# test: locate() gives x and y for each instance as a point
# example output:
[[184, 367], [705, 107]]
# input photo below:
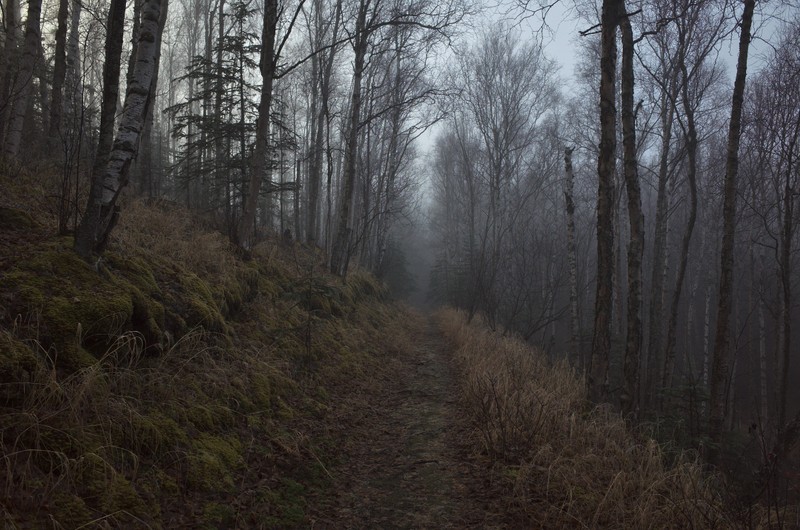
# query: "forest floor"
[[405, 462]]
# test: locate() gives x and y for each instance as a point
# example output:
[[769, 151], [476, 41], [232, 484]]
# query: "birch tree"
[[102, 210]]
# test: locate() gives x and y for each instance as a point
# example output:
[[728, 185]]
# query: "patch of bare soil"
[[403, 464]]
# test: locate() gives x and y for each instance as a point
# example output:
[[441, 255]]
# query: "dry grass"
[[210, 428], [562, 463], [168, 230]]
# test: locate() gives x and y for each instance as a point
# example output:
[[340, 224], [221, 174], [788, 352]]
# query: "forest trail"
[[403, 463]]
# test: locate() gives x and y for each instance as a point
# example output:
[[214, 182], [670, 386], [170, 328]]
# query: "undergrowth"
[[562, 463], [171, 384]]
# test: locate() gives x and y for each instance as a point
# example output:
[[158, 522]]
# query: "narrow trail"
[[402, 466]]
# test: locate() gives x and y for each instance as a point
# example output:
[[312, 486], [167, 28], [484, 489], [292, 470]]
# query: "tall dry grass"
[[211, 428], [563, 462]]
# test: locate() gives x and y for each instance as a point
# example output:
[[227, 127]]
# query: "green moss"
[[261, 389], [157, 485], [79, 311], [210, 416], [108, 491], [18, 364], [155, 433], [236, 289], [287, 503], [12, 219], [121, 496], [217, 515], [191, 303], [136, 270], [70, 511], [213, 461]]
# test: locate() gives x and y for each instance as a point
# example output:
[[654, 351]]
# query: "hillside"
[[172, 383], [175, 383]]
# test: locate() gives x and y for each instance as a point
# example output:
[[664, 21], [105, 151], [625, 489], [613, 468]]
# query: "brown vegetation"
[[563, 463], [170, 383]]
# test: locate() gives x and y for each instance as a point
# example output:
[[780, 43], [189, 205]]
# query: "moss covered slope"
[[171, 383]]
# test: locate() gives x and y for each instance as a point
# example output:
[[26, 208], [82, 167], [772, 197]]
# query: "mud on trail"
[[403, 464]]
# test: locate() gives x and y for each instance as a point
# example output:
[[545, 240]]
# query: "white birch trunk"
[[100, 214]]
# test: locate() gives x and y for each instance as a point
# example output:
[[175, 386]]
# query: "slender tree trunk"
[[89, 230], [633, 343], [787, 233], [569, 187], [74, 93], [597, 380], [762, 343], [145, 165], [137, 20], [220, 155], [706, 343], [9, 62], [326, 62], [340, 251], [691, 153], [20, 93], [59, 74], [720, 371], [258, 161], [102, 211], [660, 254]]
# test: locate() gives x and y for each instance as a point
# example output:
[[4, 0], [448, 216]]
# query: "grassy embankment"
[[172, 383], [557, 462]]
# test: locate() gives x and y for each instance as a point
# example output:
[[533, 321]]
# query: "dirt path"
[[401, 466]]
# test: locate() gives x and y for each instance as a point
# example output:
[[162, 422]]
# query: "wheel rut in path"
[[400, 466]]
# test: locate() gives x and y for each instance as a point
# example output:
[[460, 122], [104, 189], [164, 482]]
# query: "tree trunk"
[[8, 64], [633, 343], [691, 153], [787, 233], [102, 212], [660, 254], [720, 371], [325, 64], [145, 165], [59, 74], [597, 380], [220, 155], [20, 93], [88, 232], [258, 161], [74, 92], [762, 343], [340, 251], [569, 192]]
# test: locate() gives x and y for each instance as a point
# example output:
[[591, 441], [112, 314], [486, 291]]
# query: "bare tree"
[[597, 378], [271, 50], [633, 343], [59, 75], [720, 370], [23, 83]]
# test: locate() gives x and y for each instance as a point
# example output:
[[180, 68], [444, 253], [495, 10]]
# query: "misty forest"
[[399, 264]]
